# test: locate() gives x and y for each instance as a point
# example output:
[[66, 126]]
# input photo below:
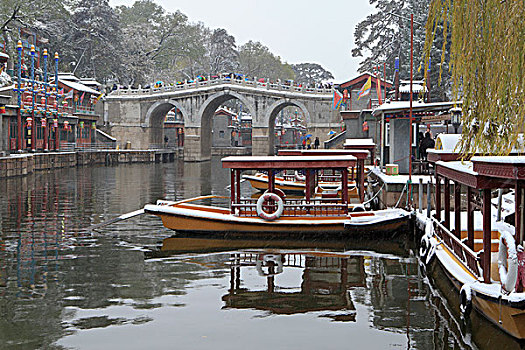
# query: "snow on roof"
[[464, 167], [67, 76], [416, 88], [247, 117], [106, 135], [359, 142], [517, 160], [89, 82], [79, 87], [404, 106]]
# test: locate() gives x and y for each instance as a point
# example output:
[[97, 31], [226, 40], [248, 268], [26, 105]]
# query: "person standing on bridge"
[[316, 142]]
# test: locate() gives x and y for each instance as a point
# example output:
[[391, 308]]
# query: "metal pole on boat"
[[411, 98], [500, 197], [420, 195], [428, 198]]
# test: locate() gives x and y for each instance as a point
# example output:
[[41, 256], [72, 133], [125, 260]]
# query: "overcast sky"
[[298, 31]]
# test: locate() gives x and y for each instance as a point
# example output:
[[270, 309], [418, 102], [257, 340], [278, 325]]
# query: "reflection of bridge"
[[138, 115]]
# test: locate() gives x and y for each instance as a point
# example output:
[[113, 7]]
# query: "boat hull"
[[507, 315], [196, 219]]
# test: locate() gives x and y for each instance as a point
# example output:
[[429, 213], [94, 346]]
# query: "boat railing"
[[294, 207], [466, 255]]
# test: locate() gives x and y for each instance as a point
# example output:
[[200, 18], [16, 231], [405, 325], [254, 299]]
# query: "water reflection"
[[134, 286]]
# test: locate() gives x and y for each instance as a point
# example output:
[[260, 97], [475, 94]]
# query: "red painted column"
[[470, 219], [438, 197], [238, 185], [518, 212], [232, 190], [45, 131], [457, 208], [307, 185], [487, 231], [344, 175], [361, 174], [447, 203]]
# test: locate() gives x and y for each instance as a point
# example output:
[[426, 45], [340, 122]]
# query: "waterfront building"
[[356, 112], [226, 128], [174, 129]]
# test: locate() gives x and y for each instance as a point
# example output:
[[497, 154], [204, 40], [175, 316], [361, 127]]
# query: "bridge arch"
[[155, 117], [207, 111], [274, 110]]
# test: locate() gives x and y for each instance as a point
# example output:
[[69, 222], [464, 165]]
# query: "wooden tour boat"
[[275, 213], [487, 266]]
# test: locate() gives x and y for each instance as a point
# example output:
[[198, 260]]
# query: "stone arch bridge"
[[137, 115]]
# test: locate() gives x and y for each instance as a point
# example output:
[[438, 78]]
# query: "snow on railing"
[[220, 81]]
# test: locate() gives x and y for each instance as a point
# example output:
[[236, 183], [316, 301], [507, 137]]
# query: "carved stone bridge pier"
[[138, 115]]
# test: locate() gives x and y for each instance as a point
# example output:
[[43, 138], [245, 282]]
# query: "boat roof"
[[358, 153], [289, 162], [484, 172]]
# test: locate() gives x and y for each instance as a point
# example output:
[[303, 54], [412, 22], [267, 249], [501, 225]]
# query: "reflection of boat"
[[189, 243], [326, 279], [485, 266], [273, 212]]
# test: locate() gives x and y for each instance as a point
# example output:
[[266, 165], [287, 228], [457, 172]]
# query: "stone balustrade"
[[221, 81]]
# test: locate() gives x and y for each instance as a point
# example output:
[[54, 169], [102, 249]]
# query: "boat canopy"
[[480, 176], [358, 153], [289, 162]]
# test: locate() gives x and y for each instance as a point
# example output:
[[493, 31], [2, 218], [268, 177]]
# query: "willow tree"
[[487, 61]]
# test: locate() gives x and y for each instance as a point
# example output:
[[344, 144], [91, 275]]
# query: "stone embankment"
[[23, 164]]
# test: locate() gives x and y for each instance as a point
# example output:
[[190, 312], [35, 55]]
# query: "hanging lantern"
[[42, 100], [66, 125], [55, 123], [29, 122], [81, 124], [55, 105], [44, 124], [93, 125], [2, 109]]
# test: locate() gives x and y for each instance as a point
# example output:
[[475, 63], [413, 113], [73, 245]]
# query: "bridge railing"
[[186, 85]]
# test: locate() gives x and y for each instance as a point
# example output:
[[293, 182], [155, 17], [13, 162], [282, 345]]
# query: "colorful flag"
[[338, 99], [82, 97], [69, 95], [61, 92], [378, 89], [365, 90], [98, 98]]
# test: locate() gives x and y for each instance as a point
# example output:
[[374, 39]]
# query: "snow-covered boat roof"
[[484, 172], [517, 160], [288, 162], [358, 153], [464, 167]]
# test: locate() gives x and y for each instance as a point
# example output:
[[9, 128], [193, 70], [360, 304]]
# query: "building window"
[[221, 134]]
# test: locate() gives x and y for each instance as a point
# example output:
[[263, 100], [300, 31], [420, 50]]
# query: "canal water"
[[134, 285]]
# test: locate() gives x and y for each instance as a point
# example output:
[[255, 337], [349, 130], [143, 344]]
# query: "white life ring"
[[267, 196], [508, 256], [299, 177], [465, 300]]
